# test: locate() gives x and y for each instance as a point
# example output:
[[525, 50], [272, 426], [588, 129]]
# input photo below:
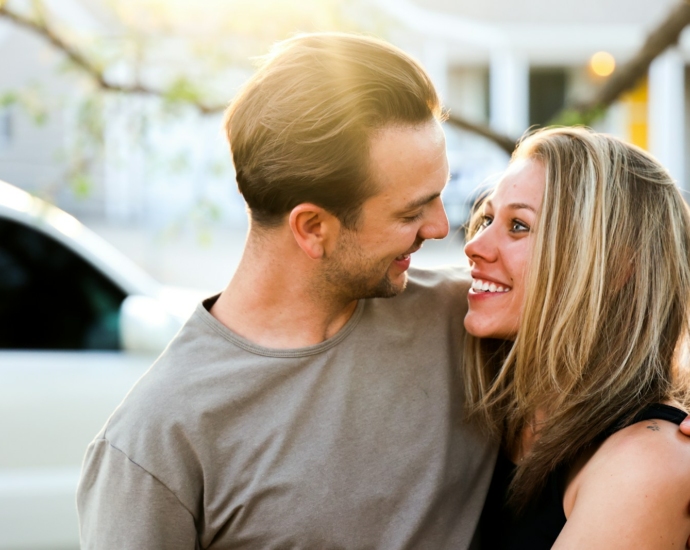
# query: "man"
[[299, 409]]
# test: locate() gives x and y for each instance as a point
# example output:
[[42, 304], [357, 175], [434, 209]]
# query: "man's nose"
[[437, 226]]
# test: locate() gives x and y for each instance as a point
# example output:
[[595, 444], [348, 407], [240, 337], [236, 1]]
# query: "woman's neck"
[[528, 437]]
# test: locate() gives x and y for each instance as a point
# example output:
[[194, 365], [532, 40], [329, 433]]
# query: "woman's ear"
[[313, 228]]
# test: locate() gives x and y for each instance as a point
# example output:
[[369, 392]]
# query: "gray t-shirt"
[[354, 443]]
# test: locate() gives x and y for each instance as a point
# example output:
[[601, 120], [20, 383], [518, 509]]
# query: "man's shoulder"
[[444, 278], [432, 296], [180, 383], [439, 285]]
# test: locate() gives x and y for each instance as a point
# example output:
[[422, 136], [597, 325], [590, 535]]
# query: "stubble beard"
[[350, 275]]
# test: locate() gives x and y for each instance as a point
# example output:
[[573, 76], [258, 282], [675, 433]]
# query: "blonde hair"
[[606, 307], [299, 130]]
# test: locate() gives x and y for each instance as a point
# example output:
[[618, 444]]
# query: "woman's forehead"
[[523, 182]]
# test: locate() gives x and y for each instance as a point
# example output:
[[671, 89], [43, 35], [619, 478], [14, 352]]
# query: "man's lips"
[[407, 254]]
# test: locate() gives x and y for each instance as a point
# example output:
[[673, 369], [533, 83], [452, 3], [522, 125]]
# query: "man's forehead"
[[393, 138], [401, 157]]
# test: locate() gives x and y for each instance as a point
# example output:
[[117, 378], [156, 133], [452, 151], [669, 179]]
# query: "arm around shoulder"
[[121, 505], [633, 493]]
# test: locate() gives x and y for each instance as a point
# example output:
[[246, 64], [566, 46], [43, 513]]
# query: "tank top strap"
[[654, 411], [659, 411]]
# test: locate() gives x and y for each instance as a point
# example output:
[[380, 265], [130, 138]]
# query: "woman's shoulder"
[[651, 449], [653, 444], [637, 482]]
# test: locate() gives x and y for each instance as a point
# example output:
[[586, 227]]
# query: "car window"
[[50, 297]]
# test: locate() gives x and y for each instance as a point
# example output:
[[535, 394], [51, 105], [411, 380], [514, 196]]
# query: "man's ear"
[[313, 228]]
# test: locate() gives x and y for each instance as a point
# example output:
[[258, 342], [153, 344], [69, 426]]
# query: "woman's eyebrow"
[[515, 206], [521, 206]]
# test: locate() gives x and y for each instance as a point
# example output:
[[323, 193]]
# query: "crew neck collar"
[[202, 311]]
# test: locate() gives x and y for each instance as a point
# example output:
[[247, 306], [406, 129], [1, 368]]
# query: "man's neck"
[[271, 301]]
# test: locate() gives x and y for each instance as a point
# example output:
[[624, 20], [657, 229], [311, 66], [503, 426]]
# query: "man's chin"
[[389, 288]]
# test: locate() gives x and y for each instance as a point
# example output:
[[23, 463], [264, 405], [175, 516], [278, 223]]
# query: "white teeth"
[[486, 286]]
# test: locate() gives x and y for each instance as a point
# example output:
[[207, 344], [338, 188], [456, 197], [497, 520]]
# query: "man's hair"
[[604, 326], [300, 129]]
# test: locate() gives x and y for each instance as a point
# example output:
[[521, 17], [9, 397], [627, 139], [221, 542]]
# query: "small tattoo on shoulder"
[[654, 426]]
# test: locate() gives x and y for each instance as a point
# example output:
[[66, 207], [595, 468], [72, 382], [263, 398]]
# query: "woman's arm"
[[633, 493]]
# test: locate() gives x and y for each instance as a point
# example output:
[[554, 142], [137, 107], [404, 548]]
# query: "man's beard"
[[350, 275]]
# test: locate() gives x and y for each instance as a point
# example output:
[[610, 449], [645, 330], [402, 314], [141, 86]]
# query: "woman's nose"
[[481, 246]]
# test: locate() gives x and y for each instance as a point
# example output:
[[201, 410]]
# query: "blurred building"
[[515, 64], [507, 64], [121, 157]]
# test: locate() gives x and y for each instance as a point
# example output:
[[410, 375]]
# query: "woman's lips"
[[484, 286]]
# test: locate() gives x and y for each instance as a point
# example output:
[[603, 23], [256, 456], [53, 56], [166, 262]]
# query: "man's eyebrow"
[[515, 206], [420, 202]]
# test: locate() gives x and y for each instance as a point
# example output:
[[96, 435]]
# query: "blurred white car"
[[79, 324]]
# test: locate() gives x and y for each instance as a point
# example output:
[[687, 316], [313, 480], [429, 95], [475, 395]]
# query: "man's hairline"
[[264, 229]]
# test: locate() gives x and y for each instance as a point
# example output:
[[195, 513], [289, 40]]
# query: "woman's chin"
[[480, 326]]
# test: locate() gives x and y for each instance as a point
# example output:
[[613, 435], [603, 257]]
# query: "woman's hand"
[[633, 493]]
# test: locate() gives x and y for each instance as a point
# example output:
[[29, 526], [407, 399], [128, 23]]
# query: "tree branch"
[[504, 142], [45, 32], [625, 78], [86, 65], [96, 74], [628, 75]]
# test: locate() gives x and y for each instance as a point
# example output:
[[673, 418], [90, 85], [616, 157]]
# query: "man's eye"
[[414, 218]]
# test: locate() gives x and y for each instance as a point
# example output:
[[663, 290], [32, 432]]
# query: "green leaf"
[[81, 185], [576, 117], [8, 98], [182, 91]]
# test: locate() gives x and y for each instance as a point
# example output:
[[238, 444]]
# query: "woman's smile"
[[484, 286]]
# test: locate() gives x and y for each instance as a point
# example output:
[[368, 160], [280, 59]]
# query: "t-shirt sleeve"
[[122, 506]]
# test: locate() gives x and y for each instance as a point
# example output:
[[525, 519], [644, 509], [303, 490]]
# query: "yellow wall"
[[636, 103]]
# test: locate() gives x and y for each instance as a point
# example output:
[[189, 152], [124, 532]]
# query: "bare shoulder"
[[652, 448], [651, 453], [635, 489]]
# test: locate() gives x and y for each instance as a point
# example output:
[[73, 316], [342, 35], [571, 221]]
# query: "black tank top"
[[540, 524]]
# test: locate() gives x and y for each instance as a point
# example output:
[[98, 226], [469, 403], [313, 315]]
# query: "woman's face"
[[500, 252]]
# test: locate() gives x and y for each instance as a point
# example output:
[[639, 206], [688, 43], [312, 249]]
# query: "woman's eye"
[[518, 227], [485, 221]]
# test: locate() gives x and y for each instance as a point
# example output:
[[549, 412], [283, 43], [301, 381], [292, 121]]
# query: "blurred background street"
[[111, 110]]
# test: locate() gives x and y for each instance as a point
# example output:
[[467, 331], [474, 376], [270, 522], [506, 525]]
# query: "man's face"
[[410, 168]]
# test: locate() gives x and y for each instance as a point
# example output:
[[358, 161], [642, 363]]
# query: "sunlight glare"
[[602, 64]]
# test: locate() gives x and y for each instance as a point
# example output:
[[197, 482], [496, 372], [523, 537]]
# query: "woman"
[[578, 316]]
